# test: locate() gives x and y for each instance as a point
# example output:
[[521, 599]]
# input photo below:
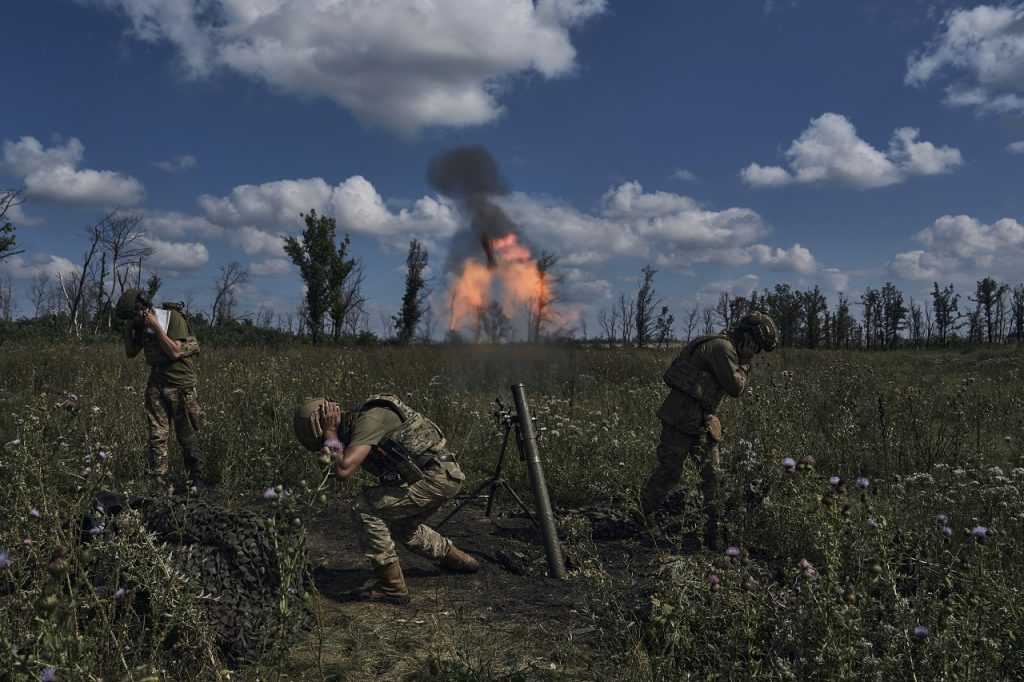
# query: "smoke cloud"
[[472, 177]]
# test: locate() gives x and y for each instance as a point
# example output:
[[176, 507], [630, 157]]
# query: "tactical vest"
[[684, 375], [418, 439], [155, 354]]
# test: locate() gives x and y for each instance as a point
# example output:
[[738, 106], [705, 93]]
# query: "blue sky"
[[731, 144]]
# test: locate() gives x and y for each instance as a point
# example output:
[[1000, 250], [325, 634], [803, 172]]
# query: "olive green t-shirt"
[[170, 373], [368, 427]]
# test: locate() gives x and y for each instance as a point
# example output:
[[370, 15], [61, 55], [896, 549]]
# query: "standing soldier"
[[416, 475], [166, 339], [707, 369]]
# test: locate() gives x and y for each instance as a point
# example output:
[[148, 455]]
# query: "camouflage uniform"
[[394, 509], [170, 397], [701, 376]]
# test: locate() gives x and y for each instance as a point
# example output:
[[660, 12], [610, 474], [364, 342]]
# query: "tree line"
[[879, 319]]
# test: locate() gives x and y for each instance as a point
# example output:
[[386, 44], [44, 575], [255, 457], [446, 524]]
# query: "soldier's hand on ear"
[[748, 348], [330, 417], [150, 319]]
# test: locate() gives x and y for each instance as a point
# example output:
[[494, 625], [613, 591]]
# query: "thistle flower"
[[921, 631], [947, 531], [48, 674], [713, 579], [5, 558], [119, 593], [102, 454], [871, 523], [980, 532], [732, 552], [788, 463], [941, 519], [863, 482], [95, 530], [834, 481], [269, 494], [34, 513], [14, 443]]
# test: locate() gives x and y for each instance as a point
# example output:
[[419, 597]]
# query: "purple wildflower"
[[269, 494], [980, 532], [714, 579], [5, 558], [942, 519], [15, 443], [788, 463], [34, 513], [95, 530], [871, 523], [863, 482], [834, 481], [733, 552], [48, 675], [102, 454], [921, 631], [947, 531], [119, 593], [27, 542]]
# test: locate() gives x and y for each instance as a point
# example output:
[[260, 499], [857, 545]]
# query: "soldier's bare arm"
[[171, 347], [348, 460]]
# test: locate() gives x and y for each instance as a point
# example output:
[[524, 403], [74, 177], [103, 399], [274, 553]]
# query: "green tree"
[[9, 198], [987, 295], [894, 314], [322, 267], [946, 305], [647, 301], [408, 318], [814, 308]]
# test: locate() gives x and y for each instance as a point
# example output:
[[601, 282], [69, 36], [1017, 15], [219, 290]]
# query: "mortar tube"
[[528, 443]]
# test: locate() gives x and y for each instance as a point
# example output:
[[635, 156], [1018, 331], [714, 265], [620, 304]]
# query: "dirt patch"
[[508, 621]]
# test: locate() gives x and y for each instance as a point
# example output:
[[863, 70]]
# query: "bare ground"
[[508, 621]]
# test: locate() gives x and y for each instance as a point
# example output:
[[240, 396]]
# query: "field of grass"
[[893, 548]]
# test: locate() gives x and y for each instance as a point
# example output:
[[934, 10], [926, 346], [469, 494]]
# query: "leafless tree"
[[352, 315], [625, 313], [609, 323], [428, 324], [6, 299], [692, 318], [540, 310], [39, 293], [724, 310], [121, 236], [495, 323], [708, 316], [265, 317], [231, 276]]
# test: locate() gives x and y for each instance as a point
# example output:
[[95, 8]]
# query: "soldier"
[[416, 475], [166, 339], [707, 369]]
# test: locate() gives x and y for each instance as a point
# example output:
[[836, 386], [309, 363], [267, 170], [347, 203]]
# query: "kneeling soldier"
[[416, 475]]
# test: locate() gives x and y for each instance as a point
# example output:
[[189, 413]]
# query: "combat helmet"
[[131, 301], [762, 329], [306, 423]]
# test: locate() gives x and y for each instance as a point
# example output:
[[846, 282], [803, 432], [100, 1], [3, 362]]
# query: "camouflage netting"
[[253, 566]]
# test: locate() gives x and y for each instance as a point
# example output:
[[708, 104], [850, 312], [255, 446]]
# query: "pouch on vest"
[[398, 458], [714, 427]]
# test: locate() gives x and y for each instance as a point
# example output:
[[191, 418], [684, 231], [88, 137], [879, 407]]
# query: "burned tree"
[[9, 199]]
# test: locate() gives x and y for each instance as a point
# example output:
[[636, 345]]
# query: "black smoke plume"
[[471, 176]]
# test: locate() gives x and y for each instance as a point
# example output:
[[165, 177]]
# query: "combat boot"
[[458, 561], [389, 586], [715, 535]]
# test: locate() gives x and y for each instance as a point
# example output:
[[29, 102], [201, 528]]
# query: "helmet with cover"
[[762, 329], [131, 302], [306, 423]]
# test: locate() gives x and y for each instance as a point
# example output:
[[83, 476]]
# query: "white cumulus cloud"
[[256, 215], [37, 264], [795, 259], [401, 64], [173, 225], [52, 175], [1016, 147], [980, 53], [962, 246], [177, 164], [271, 267], [176, 255], [829, 151]]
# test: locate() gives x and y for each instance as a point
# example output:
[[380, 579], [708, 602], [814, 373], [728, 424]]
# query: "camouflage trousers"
[[384, 512], [674, 448], [178, 407]]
